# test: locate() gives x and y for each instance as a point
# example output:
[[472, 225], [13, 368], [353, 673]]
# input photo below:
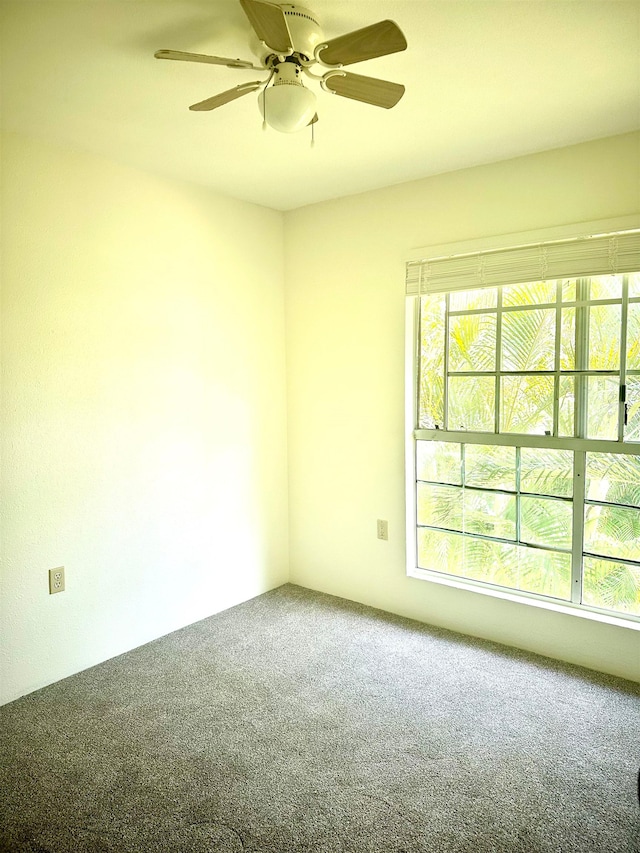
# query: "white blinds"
[[602, 254]]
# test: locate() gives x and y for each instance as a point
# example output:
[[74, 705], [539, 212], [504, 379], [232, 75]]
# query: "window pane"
[[633, 337], [438, 461], [566, 407], [490, 467], [440, 552], [634, 284], [632, 428], [543, 572], [546, 472], [533, 293], [612, 531], [511, 566], [490, 562], [606, 287], [612, 586], [517, 567], [467, 300], [603, 406], [545, 522], [614, 478], [472, 342], [440, 506], [526, 404], [569, 290], [489, 514], [465, 557], [471, 403], [604, 337], [431, 400], [528, 339], [568, 340]]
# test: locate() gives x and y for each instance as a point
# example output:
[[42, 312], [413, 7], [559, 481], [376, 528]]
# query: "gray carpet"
[[302, 723]]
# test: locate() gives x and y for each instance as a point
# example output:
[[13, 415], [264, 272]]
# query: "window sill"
[[529, 599]]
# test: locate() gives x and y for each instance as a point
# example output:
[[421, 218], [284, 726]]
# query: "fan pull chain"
[[313, 135], [264, 107]]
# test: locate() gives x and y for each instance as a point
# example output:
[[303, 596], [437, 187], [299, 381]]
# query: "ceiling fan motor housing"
[[304, 27]]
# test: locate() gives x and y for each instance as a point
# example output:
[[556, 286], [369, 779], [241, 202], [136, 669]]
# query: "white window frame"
[[413, 434]]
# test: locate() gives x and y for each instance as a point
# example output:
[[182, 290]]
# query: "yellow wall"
[[143, 408], [345, 350]]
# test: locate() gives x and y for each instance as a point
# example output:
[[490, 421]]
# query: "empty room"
[[320, 426]]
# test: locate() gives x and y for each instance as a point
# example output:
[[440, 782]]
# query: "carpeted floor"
[[302, 723]]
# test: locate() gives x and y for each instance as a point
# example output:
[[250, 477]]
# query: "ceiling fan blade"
[[368, 43], [226, 97], [269, 23], [201, 57], [369, 90]]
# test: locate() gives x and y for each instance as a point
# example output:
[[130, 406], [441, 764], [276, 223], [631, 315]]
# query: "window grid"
[[624, 316], [498, 384], [579, 470], [516, 493], [445, 400], [579, 443], [556, 364], [582, 305]]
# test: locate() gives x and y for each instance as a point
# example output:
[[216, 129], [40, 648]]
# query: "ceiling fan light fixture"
[[287, 106]]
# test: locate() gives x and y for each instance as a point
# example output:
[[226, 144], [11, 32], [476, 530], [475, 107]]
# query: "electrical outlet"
[[383, 529], [56, 580]]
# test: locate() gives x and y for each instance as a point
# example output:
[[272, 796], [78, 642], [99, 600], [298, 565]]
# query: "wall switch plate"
[[383, 529], [56, 580]]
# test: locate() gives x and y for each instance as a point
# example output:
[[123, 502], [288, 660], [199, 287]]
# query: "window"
[[525, 456]]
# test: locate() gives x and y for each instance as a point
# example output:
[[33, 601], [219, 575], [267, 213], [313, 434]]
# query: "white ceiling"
[[485, 80]]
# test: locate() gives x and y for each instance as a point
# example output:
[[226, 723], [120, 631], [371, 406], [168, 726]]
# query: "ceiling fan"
[[292, 43]]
